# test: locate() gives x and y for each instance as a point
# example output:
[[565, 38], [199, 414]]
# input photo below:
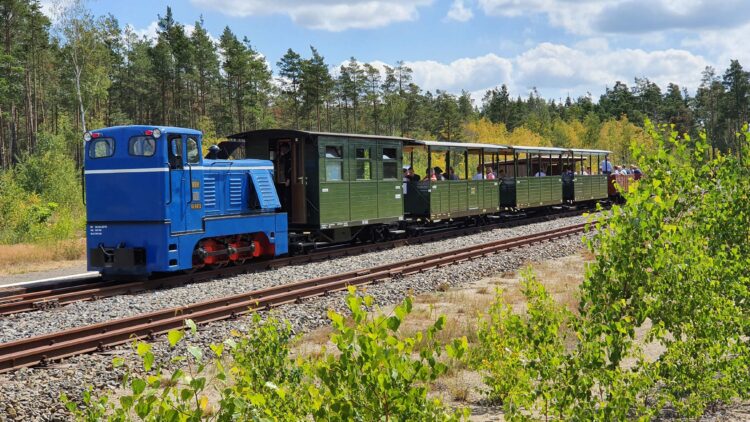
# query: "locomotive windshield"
[[142, 146], [102, 148]]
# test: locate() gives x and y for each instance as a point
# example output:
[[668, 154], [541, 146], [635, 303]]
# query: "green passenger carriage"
[[339, 185], [467, 191], [588, 182]]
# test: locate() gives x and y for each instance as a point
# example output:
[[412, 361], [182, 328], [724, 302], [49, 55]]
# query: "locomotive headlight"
[[87, 136], [157, 133]]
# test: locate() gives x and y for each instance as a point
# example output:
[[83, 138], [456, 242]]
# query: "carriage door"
[[298, 210]]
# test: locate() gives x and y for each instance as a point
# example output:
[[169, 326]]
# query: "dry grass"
[[312, 344], [23, 258]]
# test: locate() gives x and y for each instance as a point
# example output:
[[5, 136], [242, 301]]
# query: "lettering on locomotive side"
[[96, 230]]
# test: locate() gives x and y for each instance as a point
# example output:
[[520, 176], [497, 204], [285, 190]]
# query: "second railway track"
[[55, 346], [60, 296]]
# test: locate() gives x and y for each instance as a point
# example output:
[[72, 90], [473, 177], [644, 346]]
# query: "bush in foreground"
[[670, 268], [372, 375]]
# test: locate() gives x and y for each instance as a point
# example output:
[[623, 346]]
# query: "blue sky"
[[560, 47]]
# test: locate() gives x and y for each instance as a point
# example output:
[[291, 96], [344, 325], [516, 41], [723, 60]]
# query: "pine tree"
[[290, 76], [316, 86], [206, 67]]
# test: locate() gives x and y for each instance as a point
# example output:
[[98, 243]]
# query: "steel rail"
[[56, 297], [50, 347]]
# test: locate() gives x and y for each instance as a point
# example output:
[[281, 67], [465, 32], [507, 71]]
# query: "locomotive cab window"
[[175, 152], [142, 146], [334, 163], [390, 163], [193, 153], [364, 169], [102, 148]]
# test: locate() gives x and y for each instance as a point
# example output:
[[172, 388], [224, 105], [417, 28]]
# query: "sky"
[[559, 47]]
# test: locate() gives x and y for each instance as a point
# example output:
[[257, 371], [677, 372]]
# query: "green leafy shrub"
[[677, 255], [372, 376], [40, 198], [672, 262]]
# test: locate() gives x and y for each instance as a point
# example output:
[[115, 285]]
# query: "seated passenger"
[[540, 173], [430, 175], [452, 174], [478, 175], [490, 174], [439, 173], [637, 173]]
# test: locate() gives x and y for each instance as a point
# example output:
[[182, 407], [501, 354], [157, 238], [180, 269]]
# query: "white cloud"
[[459, 12], [329, 15], [626, 16], [573, 15], [150, 32], [723, 45], [557, 70], [468, 73]]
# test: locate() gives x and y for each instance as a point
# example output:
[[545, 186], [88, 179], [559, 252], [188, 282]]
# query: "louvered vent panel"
[[209, 192]]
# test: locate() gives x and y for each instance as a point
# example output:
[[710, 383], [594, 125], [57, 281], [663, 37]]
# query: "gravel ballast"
[[33, 394], [23, 325]]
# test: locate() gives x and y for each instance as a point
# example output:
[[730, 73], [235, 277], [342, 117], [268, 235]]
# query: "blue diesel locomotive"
[[155, 204]]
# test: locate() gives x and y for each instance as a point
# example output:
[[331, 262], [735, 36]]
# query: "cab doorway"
[[291, 183]]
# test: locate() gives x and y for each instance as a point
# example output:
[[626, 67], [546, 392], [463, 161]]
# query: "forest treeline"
[[62, 76]]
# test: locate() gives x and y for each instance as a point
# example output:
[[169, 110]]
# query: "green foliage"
[[521, 355], [40, 198], [373, 375], [676, 255], [671, 263], [530, 367]]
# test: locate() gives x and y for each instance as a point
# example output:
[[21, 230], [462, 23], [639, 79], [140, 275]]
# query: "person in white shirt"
[[540, 173], [606, 167], [478, 176]]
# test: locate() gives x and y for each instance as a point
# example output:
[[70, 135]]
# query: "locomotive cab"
[[155, 204]]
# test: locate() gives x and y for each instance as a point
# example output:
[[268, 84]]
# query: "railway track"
[[55, 346], [93, 290]]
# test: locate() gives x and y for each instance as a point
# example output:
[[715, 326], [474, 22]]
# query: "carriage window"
[[193, 153], [333, 152], [102, 148], [364, 170], [334, 164], [142, 146], [390, 165]]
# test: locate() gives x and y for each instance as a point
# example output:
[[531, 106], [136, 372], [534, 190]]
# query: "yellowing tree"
[[486, 132], [617, 135], [526, 137]]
